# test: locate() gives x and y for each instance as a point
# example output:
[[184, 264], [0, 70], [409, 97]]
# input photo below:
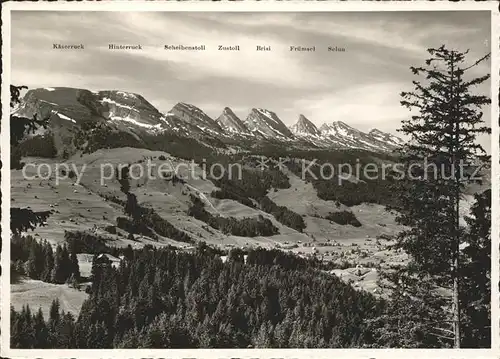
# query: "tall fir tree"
[[62, 266], [75, 267], [31, 265], [442, 148], [41, 331], [475, 294], [48, 255]]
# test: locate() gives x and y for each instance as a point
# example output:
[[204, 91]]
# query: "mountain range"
[[68, 108]]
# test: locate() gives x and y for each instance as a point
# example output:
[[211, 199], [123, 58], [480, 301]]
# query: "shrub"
[[110, 229], [344, 218]]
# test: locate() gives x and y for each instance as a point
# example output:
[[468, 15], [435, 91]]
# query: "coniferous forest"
[[168, 298]]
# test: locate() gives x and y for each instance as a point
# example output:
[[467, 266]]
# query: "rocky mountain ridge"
[[305, 127], [230, 122], [68, 108]]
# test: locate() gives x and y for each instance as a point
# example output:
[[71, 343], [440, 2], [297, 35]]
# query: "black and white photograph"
[[249, 180]]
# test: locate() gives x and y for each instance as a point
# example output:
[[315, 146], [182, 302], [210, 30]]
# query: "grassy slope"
[[171, 202], [38, 294]]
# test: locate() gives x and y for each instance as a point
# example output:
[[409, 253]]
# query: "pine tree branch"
[[478, 61]]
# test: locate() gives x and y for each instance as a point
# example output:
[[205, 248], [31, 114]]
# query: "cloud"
[[389, 33], [364, 107], [246, 64], [360, 86]]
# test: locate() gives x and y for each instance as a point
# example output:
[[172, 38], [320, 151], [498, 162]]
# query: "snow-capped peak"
[[343, 135], [305, 127], [267, 123], [338, 128], [195, 116], [386, 137], [230, 122]]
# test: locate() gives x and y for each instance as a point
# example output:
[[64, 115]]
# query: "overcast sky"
[[360, 86]]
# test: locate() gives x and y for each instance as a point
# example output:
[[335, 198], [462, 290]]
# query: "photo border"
[[289, 6]]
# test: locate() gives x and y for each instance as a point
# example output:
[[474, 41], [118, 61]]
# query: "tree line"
[[142, 220], [245, 227], [38, 146], [255, 185], [167, 298]]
